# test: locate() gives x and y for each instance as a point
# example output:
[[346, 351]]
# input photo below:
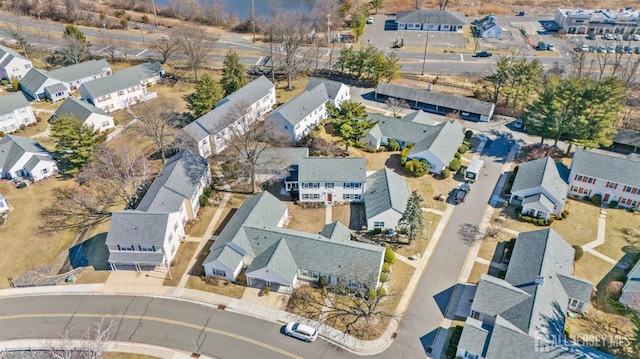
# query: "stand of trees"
[[514, 81], [350, 122], [369, 64]]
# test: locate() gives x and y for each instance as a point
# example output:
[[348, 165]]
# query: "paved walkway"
[[328, 214], [600, 239]]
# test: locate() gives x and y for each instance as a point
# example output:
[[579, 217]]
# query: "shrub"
[[633, 209], [564, 214], [466, 143], [542, 222], [458, 155], [579, 252], [596, 199], [371, 293], [550, 221], [454, 165], [145, 19], [382, 292], [124, 22], [613, 204], [22, 127], [389, 256], [266, 290], [204, 201], [393, 145], [417, 167], [386, 268], [1, 133], [463, 149], [405, 153], [468, 134], [368, 149], [15, 83], [377, 230], [567, 332], [5, 82], [322, 282], [586, 198], [207, 192], [384, 277], [446, 173]]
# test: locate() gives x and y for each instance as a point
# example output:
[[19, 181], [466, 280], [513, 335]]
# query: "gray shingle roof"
[[80, 71], [226, 255], [7, 55], [299, 107], [12, 148], [277, 258], [129, 77], [324, 169], [177, 181], [474, 337], [635, 271], [424, 118], [34, 79], [610, 168], [336, 231], [136, 227], [35, 160], [443, 143], [55, 88], [11, 102], [275, 159], [433, 17], [494, 295], [540, 202], [385, 190], [577, 288], [508, 341], [332, 87], [217, 119], [544, 173], [407, 131], [78, 109], [252, 230], [435, 98], [627, 137]]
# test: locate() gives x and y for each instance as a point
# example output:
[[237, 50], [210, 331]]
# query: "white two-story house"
[[614, 178], [124, 88], [328, 180], [15, 111], [293, 120], [151, 234], [75, 75], [211, 132], [12, 64], [86, 113]]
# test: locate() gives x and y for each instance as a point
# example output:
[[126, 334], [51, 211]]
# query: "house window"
[[147, 249], [314, 185], [357, 196], [574, 302], [305, 196], [219, 272], [378, 224], [315, 196], [347, 196], [328, 185], [475, 315], [170, 237], [128, 248], [611, 185], [175, 226], [173, 249], [105, 123], [305, 272], [120, 93], [627, 188], [578, 178], [45, 171]]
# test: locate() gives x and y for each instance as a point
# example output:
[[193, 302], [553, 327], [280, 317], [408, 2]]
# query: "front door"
[[606, 198], [329, 197]]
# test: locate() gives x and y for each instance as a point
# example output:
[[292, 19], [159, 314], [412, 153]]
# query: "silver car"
[[301, 331]]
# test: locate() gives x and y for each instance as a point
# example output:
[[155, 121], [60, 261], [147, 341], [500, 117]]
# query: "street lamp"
[[426, 44]]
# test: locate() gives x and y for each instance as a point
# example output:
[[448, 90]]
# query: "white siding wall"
[[18, 67], [173, 235], [230, 274], [435, 165], [12, 120], [389, 217], [309, 122], [533, 191], [99, 122], [579, 186], [322, 192], [43, 170], [344, 94]]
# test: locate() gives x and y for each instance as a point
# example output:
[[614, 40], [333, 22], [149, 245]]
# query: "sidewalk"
[[212, 300]]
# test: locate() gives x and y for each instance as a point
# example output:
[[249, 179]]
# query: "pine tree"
[[412, 218], [350, 122], [233, 75], [75, 143], [208, 92]]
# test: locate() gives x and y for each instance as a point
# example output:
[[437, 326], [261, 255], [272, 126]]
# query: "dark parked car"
[[637, 50], [483, 54]]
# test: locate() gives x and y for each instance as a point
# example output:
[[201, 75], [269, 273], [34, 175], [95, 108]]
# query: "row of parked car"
[[619, 49], [542, 46], [620, 37]]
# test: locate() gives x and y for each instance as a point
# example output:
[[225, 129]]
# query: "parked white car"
[[301, 331]]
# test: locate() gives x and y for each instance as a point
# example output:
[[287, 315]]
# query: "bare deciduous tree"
[[166, 47], [91, 345], [108, 43], [395, 105], [74, 51], [18, 35], [196, 45], [157, 120], [125, 47], [291, 33]]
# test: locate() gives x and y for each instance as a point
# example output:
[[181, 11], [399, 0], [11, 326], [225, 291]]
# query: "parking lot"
[[599, 42]]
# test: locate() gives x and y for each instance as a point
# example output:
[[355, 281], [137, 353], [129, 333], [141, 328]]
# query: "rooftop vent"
[[539, 280]]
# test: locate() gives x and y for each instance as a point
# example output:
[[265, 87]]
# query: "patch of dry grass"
[[489, 245], [38, 128], [476, 272], [205, 215], [117, 355], [180, 262], [622, 234], [20, 237], [303, 308], [225, 288], [342, 214], [173, 92], [89, 275], [309, 220], [592, 268], [581, 226], [419, 245], [283, 95]]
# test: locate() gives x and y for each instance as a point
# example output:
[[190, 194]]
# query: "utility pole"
[[253, 19], [426, 44], [155, 15], [329, 28]]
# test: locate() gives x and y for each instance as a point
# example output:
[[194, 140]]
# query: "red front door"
[[606, 198], [329, 197]]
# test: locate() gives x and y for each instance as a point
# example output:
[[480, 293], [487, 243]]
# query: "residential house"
[[38, 85], [597, 22], [123, 88], [487, 27], [385, 199], [614, 178], [293, 120], [435, 102], [627, 140], [524, 314], [12, 64], [209, 133], [75, 75], [15, 111], [86, 113], [22, 157], [143, 240], [432, 20], [540, 188], [336, 90], [254, 239], [436, 143], [329, 180], [4, 204], [274, 162], [150, 235], [630, 292]]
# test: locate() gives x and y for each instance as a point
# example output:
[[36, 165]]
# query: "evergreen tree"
[[233, 75], [412, 218], [350, 122], [75, 143], [208, 92]]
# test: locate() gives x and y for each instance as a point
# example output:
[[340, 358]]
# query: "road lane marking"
[[461, 58], [141, 52], [259, 60], [155, 319]]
